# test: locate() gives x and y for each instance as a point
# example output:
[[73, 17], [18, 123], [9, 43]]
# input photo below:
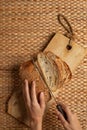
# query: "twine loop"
[[64, 22]]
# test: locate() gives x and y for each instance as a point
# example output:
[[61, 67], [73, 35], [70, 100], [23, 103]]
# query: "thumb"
[[42, 100], [63, 121]]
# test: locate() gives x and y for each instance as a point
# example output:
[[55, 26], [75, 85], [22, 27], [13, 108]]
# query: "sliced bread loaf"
[[50, 71], [55, 71]]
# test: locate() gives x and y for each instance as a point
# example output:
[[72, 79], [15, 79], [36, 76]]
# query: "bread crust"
[[29, 72]]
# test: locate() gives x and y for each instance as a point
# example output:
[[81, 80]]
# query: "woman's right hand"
[[72, 122]]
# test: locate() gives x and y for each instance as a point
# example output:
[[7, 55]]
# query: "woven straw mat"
[[26, 26]]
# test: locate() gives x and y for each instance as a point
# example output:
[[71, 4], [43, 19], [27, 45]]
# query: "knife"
[[58, 106]]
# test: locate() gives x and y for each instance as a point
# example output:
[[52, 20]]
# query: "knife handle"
[[60, 109]]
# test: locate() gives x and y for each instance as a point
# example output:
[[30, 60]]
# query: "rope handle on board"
[[64, 22]]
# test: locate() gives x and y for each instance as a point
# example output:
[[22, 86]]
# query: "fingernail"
[[25, 80], [33, 82], [42, 93]]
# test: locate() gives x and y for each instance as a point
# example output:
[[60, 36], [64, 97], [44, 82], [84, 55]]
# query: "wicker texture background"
[[26, 26]]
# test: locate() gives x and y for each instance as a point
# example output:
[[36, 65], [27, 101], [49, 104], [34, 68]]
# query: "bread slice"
[[65, 72], [58, 62], [29, 72], [49, 70]]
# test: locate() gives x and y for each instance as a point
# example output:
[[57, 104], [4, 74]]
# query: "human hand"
[[34, 108], [72, 122]]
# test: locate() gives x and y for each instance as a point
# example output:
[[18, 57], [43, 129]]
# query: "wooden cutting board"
[[58, 45]]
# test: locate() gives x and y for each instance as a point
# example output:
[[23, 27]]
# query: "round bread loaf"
[[50, 71]]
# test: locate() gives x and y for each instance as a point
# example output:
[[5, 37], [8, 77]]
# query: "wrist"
[[36, 125]]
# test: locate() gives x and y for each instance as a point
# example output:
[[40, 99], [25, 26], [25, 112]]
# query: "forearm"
[[36, 126]]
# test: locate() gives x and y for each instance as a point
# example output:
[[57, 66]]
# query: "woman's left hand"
[[35, 109]]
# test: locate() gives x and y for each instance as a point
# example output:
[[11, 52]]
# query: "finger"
[[62, 119], [26, 93], [33, 92], [42, 100]]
